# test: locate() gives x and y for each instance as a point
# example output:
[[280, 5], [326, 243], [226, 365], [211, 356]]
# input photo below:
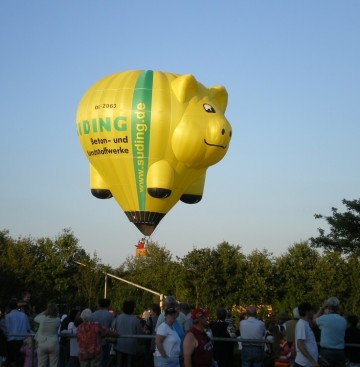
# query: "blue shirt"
[[179, 330], [333, 327], [252, 328], [103, 317], [16, 323]]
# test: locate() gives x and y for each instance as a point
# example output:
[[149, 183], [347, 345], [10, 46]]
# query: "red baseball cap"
[[199, 312]]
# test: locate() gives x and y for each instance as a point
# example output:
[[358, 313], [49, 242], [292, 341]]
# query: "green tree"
[[42, 266], [89, 280], [16, 263], [344, 233], [351, 304], [156, 271], [258, 283], [54, 277], [230, 269], [295, 272], [331, 278], [198, 277]]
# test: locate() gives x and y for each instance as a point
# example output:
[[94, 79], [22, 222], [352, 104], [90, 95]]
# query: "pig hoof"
[[190, 199], [159, 193], [101, 193]]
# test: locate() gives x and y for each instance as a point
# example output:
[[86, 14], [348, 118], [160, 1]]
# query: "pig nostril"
[[222, 131]]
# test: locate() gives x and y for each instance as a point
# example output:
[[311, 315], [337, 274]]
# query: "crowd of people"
[[324, 338], [178, 336]]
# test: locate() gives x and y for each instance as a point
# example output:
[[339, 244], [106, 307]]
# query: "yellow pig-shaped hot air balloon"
[[149, 137]]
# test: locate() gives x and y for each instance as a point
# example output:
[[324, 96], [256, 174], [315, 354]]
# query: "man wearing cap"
[[198, 348], [252, 330], [333, 327], [167, 341]]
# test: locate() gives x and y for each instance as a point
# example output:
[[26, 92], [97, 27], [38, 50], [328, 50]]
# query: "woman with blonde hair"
[[47, 336]]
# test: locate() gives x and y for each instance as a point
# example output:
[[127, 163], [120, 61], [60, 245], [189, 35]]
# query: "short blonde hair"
[[86, 314]]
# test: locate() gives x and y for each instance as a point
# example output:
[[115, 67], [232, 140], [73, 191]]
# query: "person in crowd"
[[333, 327], [149, 329], [290, 326], [16, 322], [105, 319], [26, 297], [71, 334], [47, 336], [167, 341], [231, 327], [185, 309], [272, 337], [25, 301], [252, 331], [281, 351], [89, 335], [306, 347], [29, 350], [179, 328], [282, 317], [179, 323], [352, 336], [181, 318], [146, 314], [64, 339], [24, 304], [198, 348], [126, 323], [3, 349], [223, 351]]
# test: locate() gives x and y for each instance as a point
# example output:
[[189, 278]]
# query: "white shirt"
[[73, 341], [252, 328], [304, 332], [171, 343]]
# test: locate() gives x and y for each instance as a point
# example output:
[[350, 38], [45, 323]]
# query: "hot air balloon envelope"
[[149, 137]]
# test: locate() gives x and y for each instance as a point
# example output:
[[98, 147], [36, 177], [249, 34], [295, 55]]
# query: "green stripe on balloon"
[[140, 132]]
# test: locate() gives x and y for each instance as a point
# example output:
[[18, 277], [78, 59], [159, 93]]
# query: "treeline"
[[208, 277]]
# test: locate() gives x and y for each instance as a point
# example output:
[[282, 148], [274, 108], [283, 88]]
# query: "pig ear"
[[185, 87], [219, 94]]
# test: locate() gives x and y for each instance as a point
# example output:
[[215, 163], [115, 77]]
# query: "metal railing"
[[255, 342]]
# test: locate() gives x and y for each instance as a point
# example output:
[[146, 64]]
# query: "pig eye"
[[208, 108]]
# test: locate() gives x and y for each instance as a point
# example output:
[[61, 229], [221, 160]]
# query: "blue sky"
[[292, 72]]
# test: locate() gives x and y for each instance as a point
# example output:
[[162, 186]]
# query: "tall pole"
[[126, 281], [105, 287]]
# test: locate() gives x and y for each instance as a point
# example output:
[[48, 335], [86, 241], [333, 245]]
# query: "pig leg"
[[98, 186], [160, 180], [193, 194]]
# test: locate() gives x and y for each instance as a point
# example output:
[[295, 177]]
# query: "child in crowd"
[[29, 350]]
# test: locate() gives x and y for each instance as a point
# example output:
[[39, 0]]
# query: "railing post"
[[33, 350]]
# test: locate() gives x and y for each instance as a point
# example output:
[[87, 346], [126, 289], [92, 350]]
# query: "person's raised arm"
[[320, 311], [38, 318]]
